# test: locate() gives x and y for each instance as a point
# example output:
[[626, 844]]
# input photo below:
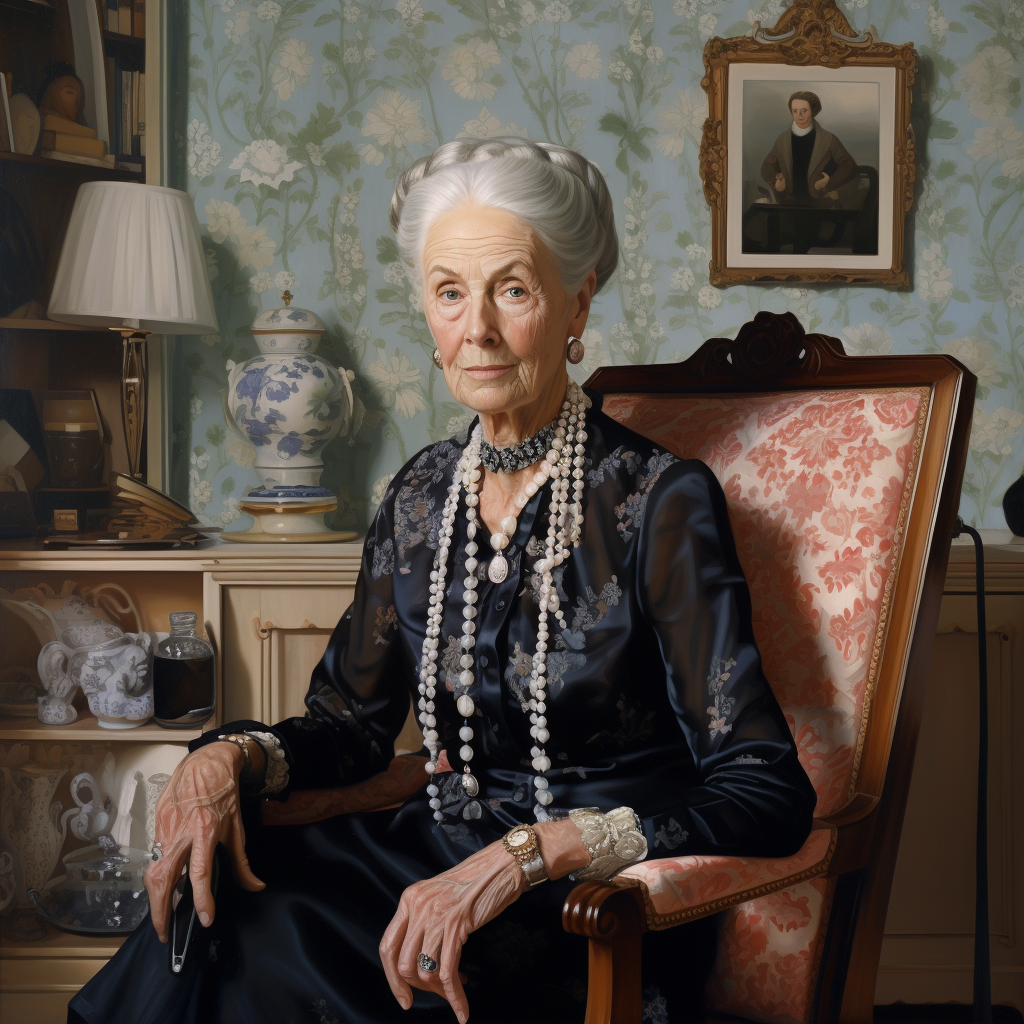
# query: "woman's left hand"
[[435, 917]]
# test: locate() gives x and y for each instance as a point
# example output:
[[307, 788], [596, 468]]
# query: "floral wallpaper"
[[299, 113]]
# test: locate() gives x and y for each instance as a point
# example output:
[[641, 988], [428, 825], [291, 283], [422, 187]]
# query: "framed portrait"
[[807, 155]]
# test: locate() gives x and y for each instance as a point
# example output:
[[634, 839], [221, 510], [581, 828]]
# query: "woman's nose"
[[482, 326]]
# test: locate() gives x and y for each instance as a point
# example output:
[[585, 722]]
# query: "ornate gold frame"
[[810, 33]]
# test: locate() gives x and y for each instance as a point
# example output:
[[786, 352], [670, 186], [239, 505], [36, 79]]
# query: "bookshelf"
[[37, 353]]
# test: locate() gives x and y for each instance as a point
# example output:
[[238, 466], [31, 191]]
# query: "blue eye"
[[450, 294], [516, 292]]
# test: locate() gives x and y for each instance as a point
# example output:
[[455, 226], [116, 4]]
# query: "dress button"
[[500, 605], [483, 660]]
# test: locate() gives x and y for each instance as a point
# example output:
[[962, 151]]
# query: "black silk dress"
[[657, 701]]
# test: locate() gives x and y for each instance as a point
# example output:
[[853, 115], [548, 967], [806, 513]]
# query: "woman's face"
[[801, 111], [495, 305]]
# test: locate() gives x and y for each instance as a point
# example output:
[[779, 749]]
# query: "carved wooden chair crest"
[[843, 478]]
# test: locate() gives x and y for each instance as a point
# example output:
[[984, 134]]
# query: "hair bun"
[[474, 150]]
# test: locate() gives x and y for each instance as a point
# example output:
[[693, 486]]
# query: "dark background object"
[[17, 407], [16, 520], [1013, 507], [82, 499], [20, 266]]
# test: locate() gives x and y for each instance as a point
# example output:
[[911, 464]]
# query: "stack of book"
[[126, 17], [68, 140], [126, 114], [62, 137]]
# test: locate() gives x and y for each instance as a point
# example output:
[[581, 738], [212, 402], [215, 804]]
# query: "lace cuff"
[[613, 840], [275, 777]]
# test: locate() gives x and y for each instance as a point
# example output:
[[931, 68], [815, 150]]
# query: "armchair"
[[843, 478]]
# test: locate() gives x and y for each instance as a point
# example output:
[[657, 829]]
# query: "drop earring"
[[575, 351], [437, 359]]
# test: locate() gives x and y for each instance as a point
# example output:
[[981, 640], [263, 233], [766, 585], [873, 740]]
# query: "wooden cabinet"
[[269, 611], [927, 955]]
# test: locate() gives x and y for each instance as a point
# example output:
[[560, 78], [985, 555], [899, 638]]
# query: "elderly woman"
[[561, 602]]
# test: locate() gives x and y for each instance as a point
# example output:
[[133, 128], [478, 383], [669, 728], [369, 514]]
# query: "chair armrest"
[[613, 919], [674, 890]]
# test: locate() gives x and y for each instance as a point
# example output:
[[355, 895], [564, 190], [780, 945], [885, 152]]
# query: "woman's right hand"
[[197, 809]]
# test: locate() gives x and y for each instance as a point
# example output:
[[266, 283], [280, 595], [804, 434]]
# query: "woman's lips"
[[486, 372]]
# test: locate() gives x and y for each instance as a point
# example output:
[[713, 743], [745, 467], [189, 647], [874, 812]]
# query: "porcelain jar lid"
[[288, 319]]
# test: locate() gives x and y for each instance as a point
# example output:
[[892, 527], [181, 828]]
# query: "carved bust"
[[62, 92]]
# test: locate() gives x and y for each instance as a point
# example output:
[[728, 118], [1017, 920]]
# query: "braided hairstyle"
[[561, 195]]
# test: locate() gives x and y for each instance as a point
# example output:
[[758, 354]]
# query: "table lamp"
[[133, 261]]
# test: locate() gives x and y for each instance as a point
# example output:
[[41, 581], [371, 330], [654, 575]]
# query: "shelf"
[[88, 728], [121, 39], [45, 161], [12, 324], [60, 945]]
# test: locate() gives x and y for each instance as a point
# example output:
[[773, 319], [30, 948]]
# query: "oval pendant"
[[470, 785], [498, 569]]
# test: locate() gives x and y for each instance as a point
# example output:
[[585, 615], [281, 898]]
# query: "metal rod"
[[982, 1008]]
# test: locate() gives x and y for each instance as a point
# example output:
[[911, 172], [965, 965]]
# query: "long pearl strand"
[[565, 461]]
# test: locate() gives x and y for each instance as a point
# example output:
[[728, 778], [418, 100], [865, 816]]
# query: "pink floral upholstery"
[[773, 947], [818, 485], [677, 888]]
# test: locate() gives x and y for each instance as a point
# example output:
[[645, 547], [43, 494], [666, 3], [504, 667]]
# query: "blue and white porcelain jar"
[[287, 401]]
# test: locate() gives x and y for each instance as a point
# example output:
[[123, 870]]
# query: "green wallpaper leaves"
[[299, 113]]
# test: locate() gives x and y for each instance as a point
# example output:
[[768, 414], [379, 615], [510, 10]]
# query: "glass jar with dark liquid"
[[184, 694]]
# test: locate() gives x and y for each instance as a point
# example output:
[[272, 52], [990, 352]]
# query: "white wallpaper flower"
[[299, 114]]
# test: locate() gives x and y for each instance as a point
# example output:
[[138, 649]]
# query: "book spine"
[[113, 21], [7, 142], [139, 19], [118, 104], [135, 113], [126, 113], [142, 114], [110, 67], [124, 17]]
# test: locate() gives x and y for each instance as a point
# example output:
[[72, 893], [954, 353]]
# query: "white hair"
[[561, 195]]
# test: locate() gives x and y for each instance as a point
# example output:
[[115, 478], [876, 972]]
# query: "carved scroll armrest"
[[613, 918]]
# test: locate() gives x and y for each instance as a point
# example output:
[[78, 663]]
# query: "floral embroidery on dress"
[[517, 676], [323, 1014], [385, 621], [631, 512], [417, 513], [559, 664], [747, 759], [721, 707], [655, 1009], [613, 460], [383, 559], [671, 835], [590, 611], [633, 727], [450, 662]]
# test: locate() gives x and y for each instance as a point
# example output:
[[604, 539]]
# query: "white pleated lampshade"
[[132, 257]]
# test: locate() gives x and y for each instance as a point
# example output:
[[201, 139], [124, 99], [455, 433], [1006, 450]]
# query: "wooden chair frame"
[[773, 354]]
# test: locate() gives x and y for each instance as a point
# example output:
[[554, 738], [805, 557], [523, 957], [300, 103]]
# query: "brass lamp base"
[[134, 379]]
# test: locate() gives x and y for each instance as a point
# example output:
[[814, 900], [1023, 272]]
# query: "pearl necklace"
[[564, 461]]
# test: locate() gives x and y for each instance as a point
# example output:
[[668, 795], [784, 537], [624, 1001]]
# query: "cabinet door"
[[272, 636], [927, 950]]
